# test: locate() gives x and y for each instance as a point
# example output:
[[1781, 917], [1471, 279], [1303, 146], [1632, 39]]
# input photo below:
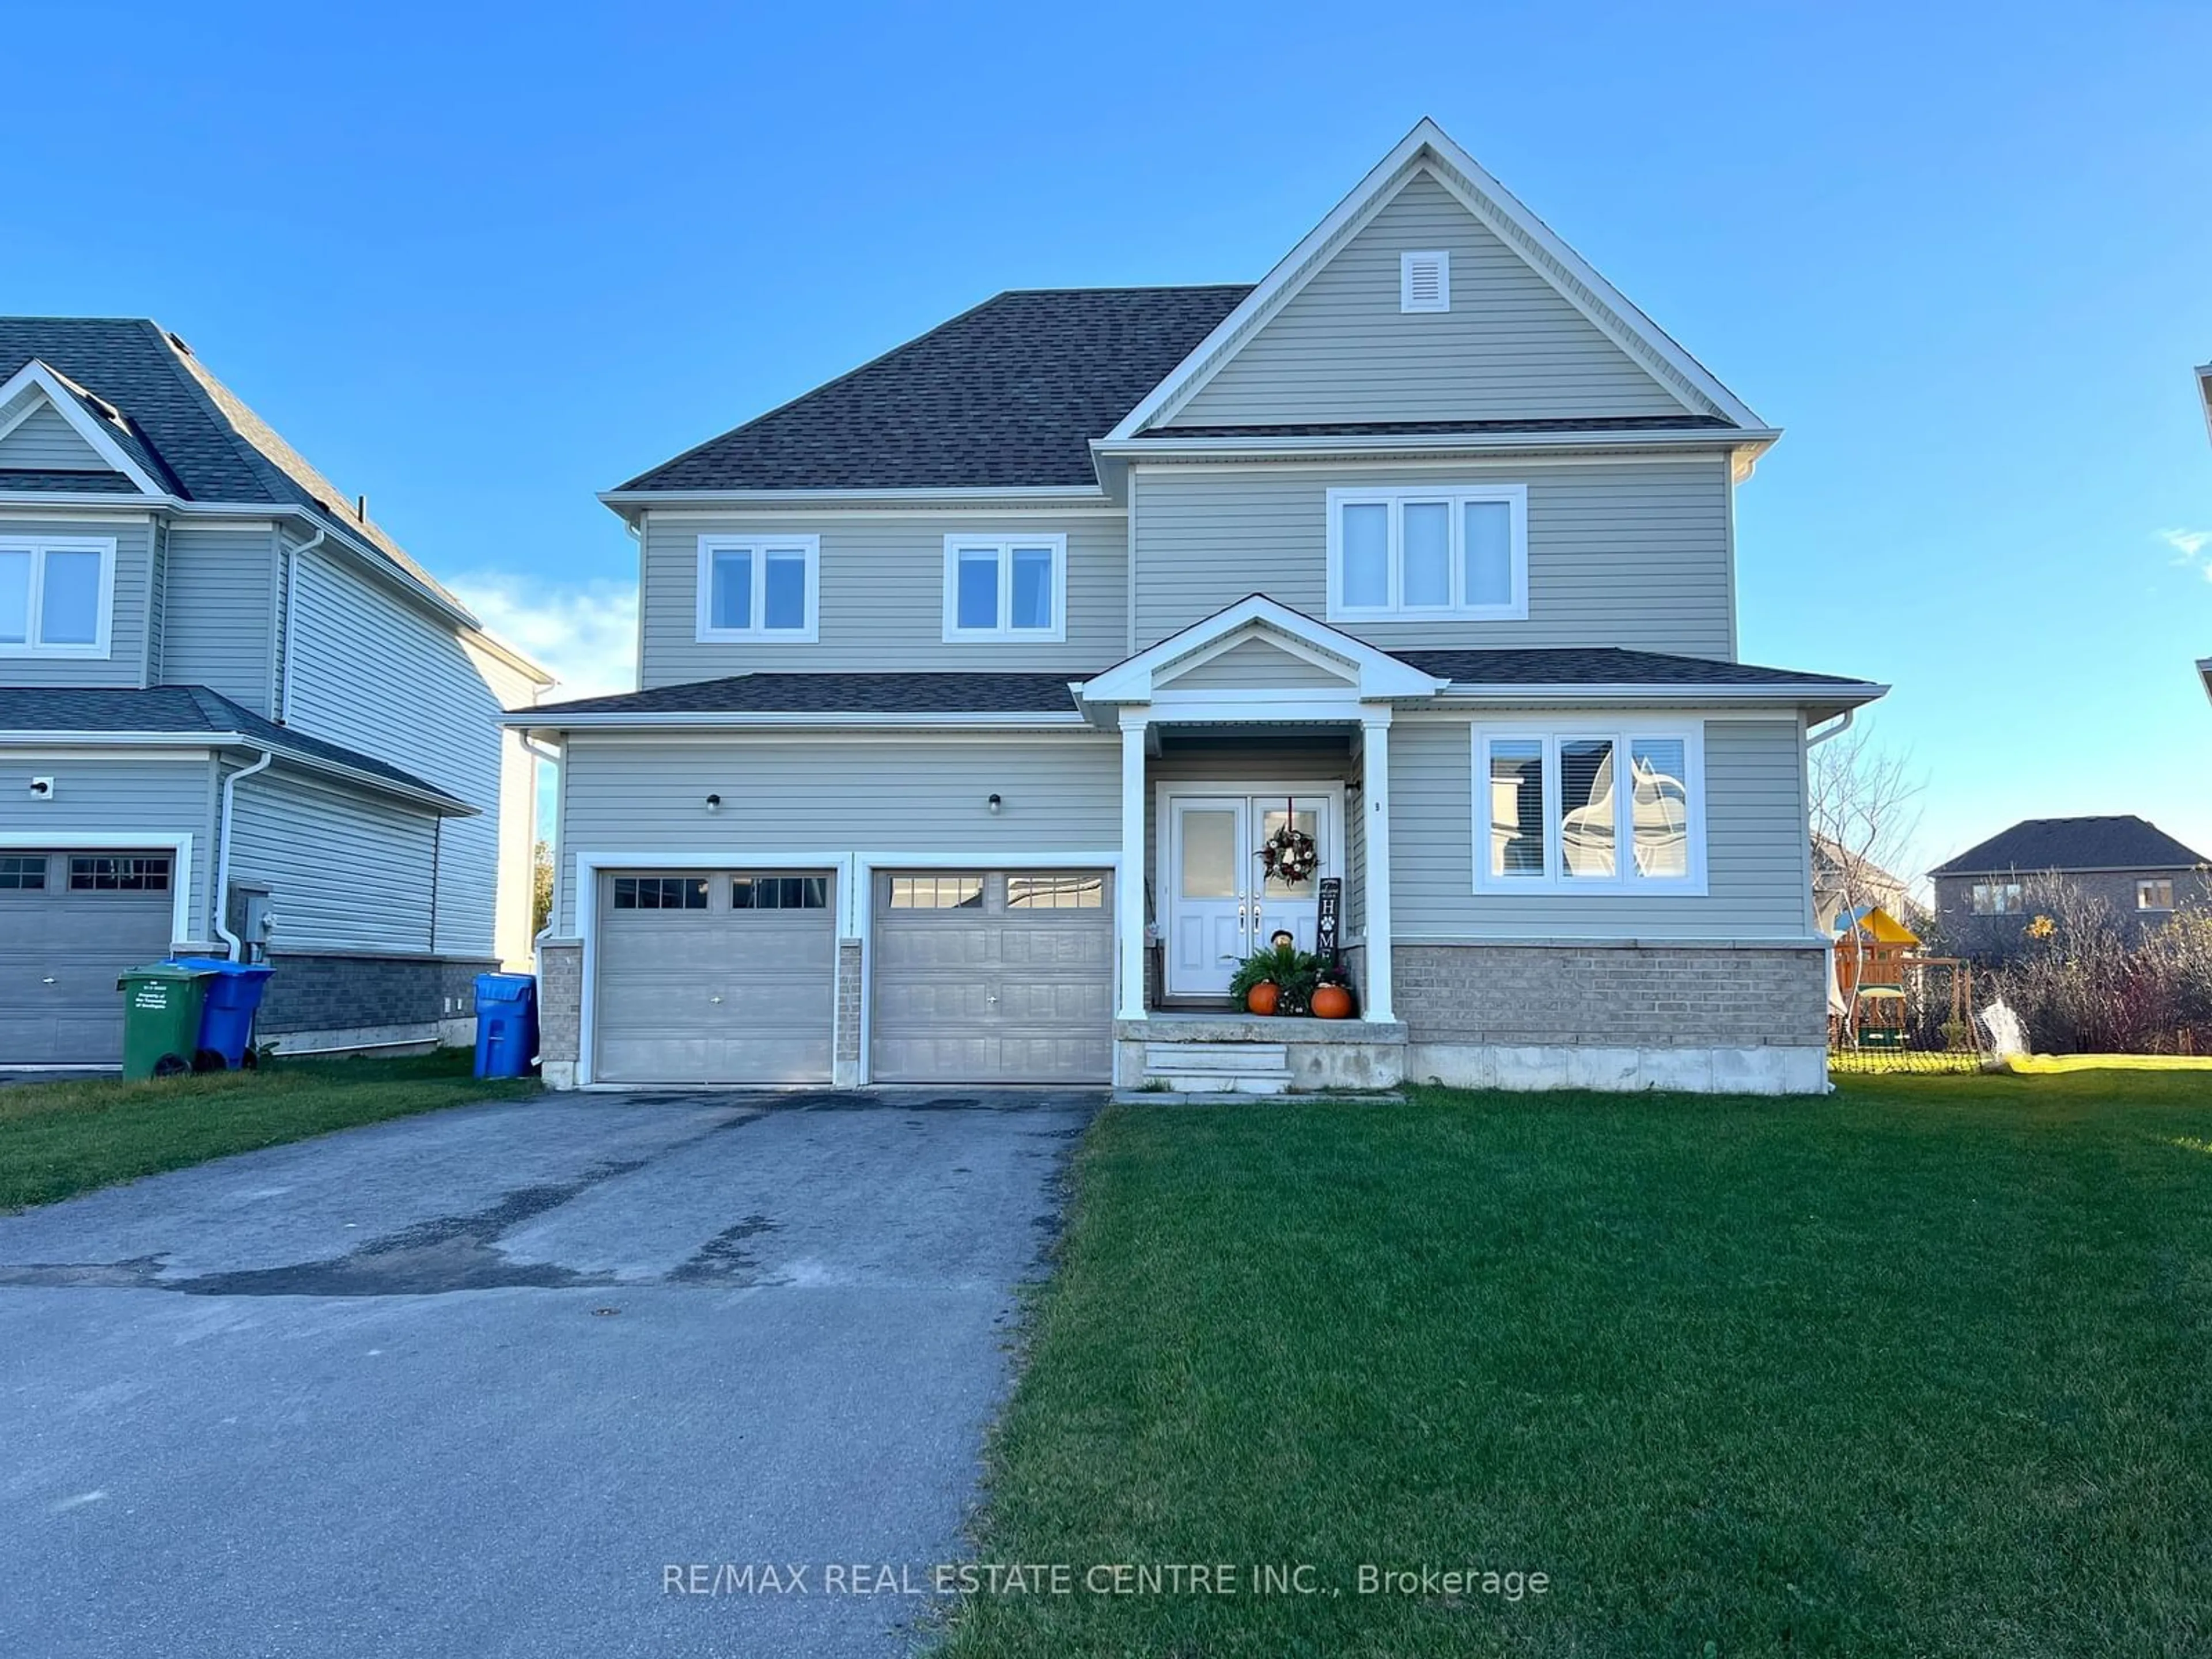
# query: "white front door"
[[1221, 904]]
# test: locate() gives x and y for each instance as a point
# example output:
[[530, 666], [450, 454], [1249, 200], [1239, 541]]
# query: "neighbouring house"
[[973, 682], [234, 718], [1845, 881], [1985, 897]]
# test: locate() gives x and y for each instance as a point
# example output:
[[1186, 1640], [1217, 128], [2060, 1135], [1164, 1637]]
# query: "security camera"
[[42, 789]]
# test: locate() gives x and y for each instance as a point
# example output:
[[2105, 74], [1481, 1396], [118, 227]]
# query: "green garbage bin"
[[161, 1004]]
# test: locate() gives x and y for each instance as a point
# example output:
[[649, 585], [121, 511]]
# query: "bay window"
[[759, 587], [1589, 807], [56, 594], [1458, 550]]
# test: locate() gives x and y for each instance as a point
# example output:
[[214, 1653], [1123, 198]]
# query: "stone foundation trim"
[[1771, 1069]]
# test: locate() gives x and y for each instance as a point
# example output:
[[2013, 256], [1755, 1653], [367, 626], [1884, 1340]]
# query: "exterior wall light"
[[713, 803], [994, 803]]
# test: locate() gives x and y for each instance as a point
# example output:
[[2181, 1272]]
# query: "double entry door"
[[1222, 904]]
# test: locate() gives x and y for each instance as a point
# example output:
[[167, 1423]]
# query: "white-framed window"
[[1458, 551], [1424, 281], [1005, 587], [57, 594], [1590, 806], [1997, 898], [2155, 894], [760, 587]]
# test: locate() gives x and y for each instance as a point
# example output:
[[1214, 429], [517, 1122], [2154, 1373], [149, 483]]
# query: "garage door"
[[715, 976], [994, 977], [69, 922]]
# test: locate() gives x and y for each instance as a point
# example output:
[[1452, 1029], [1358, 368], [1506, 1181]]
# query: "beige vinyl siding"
[[125, 661], [373, 672], [1255, 665], [221, 611], [167, 797], [46, 442], [1622, 553], [345, 871], [828, 797], [882, 596], [1755, 848], [1511, 346]]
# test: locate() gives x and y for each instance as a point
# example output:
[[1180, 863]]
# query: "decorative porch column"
[[1129, 891], [1375, 802]]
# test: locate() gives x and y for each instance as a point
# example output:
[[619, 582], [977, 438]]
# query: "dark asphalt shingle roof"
[[2125, 842], [87, 483], [181, 708], [839, 694], [1006, 395], [186, 428], [1602, 666], [998, 694]]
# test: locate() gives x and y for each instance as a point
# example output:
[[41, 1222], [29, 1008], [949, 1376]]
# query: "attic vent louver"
[[1425, 282]]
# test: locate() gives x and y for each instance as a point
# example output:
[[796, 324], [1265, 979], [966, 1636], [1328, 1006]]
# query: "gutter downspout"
[[291, 609], [220, 899], [1814, 739]]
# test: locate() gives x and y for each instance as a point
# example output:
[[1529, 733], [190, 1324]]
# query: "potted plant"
[[1276, 980]]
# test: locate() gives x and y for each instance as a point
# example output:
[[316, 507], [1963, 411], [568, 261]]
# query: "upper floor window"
[[759, 587], [1590, 808], [55, 592], [2157, 895], [1997, 898], [1460, 550], [1005, 587]]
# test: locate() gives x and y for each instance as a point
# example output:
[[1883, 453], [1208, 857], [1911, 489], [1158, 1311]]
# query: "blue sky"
[[483, 261]]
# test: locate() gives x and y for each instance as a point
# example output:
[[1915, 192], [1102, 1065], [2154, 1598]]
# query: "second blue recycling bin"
[[233, 995], [506, 1025]]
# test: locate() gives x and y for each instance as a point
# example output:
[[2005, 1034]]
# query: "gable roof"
[[939, 695], [195, 711], [2064, 844], [1428, 147], [142, 388], [1007, 395]]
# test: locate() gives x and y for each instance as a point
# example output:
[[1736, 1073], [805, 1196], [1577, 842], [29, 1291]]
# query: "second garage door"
[[69, 922], [722, 977], [994, 977]]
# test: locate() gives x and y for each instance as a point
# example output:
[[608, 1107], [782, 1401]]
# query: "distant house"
[[1845, 881], [1985, 896]]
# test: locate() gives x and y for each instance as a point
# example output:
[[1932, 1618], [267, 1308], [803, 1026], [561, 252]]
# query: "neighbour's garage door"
[[69, 922], [723, 976], [994, 977]]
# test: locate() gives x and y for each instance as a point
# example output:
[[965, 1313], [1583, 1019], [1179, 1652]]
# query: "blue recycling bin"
[[506, 1025], [233, 995]]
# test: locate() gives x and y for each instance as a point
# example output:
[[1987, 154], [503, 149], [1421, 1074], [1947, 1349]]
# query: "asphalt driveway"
[[472, 1384]]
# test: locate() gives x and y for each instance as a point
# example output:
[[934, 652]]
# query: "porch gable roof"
[[1369, 672]]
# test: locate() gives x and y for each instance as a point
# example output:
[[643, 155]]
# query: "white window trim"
[[1516, 497], [38, 547], [1406, 264], [2007, 898], [1004, 545], [1555, 880], [2144, 882], [759, 546]]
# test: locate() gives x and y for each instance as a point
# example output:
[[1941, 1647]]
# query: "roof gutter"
[[1166, 442], [1851, 695], [446, 806], [219, 901]]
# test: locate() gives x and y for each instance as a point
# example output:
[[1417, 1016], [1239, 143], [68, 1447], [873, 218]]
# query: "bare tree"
[[1865, 813]]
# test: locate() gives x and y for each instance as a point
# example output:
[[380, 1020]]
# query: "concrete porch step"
[[1277, 1082], [1216, 1056]]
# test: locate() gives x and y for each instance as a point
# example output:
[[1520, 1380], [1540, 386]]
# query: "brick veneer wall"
[[849, 1000], [1640, 996], [327, 992], [560, 1001]]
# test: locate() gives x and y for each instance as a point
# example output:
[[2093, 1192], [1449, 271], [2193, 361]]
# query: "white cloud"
[[585, 632], [2188, 546]]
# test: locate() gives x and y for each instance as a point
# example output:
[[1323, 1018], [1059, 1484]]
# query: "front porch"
[[1256, 722]]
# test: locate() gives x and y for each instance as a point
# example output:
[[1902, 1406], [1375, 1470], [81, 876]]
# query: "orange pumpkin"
[[1262, 998], [1331, 1002]]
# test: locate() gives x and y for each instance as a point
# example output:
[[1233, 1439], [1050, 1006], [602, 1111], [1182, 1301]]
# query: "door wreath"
[[1289, 855]]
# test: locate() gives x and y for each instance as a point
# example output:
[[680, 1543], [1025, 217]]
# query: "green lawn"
[[60, 1138], [1925, 1368]]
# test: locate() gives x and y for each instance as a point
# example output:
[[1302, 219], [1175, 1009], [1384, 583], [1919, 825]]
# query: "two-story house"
[[234, 717], [974, 682], [2124, 867]]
